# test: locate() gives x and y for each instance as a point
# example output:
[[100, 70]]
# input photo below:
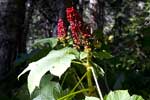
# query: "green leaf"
[[136, 97], [83, 55], [57, 62], [99, 70], [91, 98], [121, 95], [118, 95], [47, 89], [51, 41], [102, 55]]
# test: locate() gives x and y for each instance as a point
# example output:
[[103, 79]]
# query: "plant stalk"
[[78, 83], [89, 73], [97, 85], [89, 79], [74, 93]]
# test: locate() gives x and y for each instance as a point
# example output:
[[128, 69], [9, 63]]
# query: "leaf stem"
[[74, 93], [64, 78], [77, 62], [78, 82], [78, 78], [96, 82]]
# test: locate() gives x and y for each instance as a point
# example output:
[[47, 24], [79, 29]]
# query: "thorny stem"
[[89, 79], [89, 73]]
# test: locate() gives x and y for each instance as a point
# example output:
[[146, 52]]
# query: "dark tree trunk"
[[11, 31]]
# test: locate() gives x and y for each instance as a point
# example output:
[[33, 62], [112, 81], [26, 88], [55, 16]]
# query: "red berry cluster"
[[73, 17], [80, 33], [61, 29]]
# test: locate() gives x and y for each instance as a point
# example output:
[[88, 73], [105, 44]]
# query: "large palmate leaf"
[[57, 62], [122, 95]]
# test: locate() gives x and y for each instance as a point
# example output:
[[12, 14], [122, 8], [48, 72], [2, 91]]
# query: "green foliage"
[[57, 62], [83, 55], [98, 70], [136, 97], [118, 95], [48, 90], [102, 55], [122, 95], [52, 42]]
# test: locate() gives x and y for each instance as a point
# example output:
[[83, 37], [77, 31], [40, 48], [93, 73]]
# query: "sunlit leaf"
[[57, 62], [121, 95], [118, 95]]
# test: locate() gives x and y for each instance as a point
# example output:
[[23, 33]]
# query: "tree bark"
[[11, 31]]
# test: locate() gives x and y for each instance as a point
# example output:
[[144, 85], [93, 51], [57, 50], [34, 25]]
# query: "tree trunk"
[[11, 30]]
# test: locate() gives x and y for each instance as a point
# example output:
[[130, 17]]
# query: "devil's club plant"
[[68, 58]]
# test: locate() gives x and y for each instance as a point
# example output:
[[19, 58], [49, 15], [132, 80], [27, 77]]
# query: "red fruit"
[[61, 29]]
